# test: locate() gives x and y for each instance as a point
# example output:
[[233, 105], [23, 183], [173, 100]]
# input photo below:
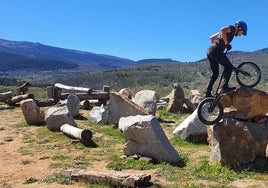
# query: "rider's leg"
[[215, 73], [228, 68]]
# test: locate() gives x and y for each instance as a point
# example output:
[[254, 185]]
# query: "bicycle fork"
[[214, 103]]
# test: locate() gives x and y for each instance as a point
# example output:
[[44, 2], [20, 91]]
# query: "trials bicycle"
[[210, 110]]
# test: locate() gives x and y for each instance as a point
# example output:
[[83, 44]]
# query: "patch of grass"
[[192, 185], [165, 115], [184, 157], [8, 139], [28, 138], [43, 158], [60, 161], [66, 161], [25, 162], [44, 134], [57, 178], [60, 157], [43, 141], [31, 180], [117, 163], [24, 150], [56, 165], [172, 174], [109, 140], [177, 141], [215, 172], [109, 131], [81, 162]]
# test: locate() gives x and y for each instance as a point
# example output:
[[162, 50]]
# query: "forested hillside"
[[43, 65], [158, 76]]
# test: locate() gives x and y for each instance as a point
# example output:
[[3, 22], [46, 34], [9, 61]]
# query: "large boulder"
[[56, 117], [191, 129], [5, 96], [236, 142], [119, 106], [32, 113], [245, 103], [73, 103], [144, 136], [176, 99], [147, 99], [99, 114], [195, 97]]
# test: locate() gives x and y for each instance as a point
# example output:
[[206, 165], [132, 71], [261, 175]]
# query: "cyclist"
[[215, 54]]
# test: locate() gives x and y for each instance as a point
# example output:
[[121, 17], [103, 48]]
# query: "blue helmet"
[[242, 24]]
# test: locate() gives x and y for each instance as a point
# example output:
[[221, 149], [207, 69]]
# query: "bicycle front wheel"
[[248, 74], [208, 112]]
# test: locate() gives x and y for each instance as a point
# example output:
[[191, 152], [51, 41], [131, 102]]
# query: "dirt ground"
[[13, 173]]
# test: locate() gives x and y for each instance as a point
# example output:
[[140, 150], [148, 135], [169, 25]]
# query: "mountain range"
[[16, 55], [22, 55]]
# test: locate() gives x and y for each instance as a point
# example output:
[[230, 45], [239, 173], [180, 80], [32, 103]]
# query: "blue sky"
[[133, 29]]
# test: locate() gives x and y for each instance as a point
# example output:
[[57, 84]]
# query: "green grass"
[[58, 178], [31, 180], [118, 163], [38, 92], [25, 162]]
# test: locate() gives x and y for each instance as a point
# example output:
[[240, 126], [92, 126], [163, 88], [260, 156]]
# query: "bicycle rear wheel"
[[205, 114], [252, 78]]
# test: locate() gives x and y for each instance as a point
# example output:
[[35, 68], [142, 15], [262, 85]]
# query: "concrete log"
[[83, 135], [19, 98], [5, 96], [73, 88]]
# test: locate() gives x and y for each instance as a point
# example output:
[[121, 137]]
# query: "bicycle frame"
[[215, 103], [219, 95]]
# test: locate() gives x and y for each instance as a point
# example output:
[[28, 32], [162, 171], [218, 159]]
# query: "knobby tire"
[[206, 117], [245, 80]]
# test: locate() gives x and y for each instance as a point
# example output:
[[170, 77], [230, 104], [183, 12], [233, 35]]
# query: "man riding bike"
[[216, 55]]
